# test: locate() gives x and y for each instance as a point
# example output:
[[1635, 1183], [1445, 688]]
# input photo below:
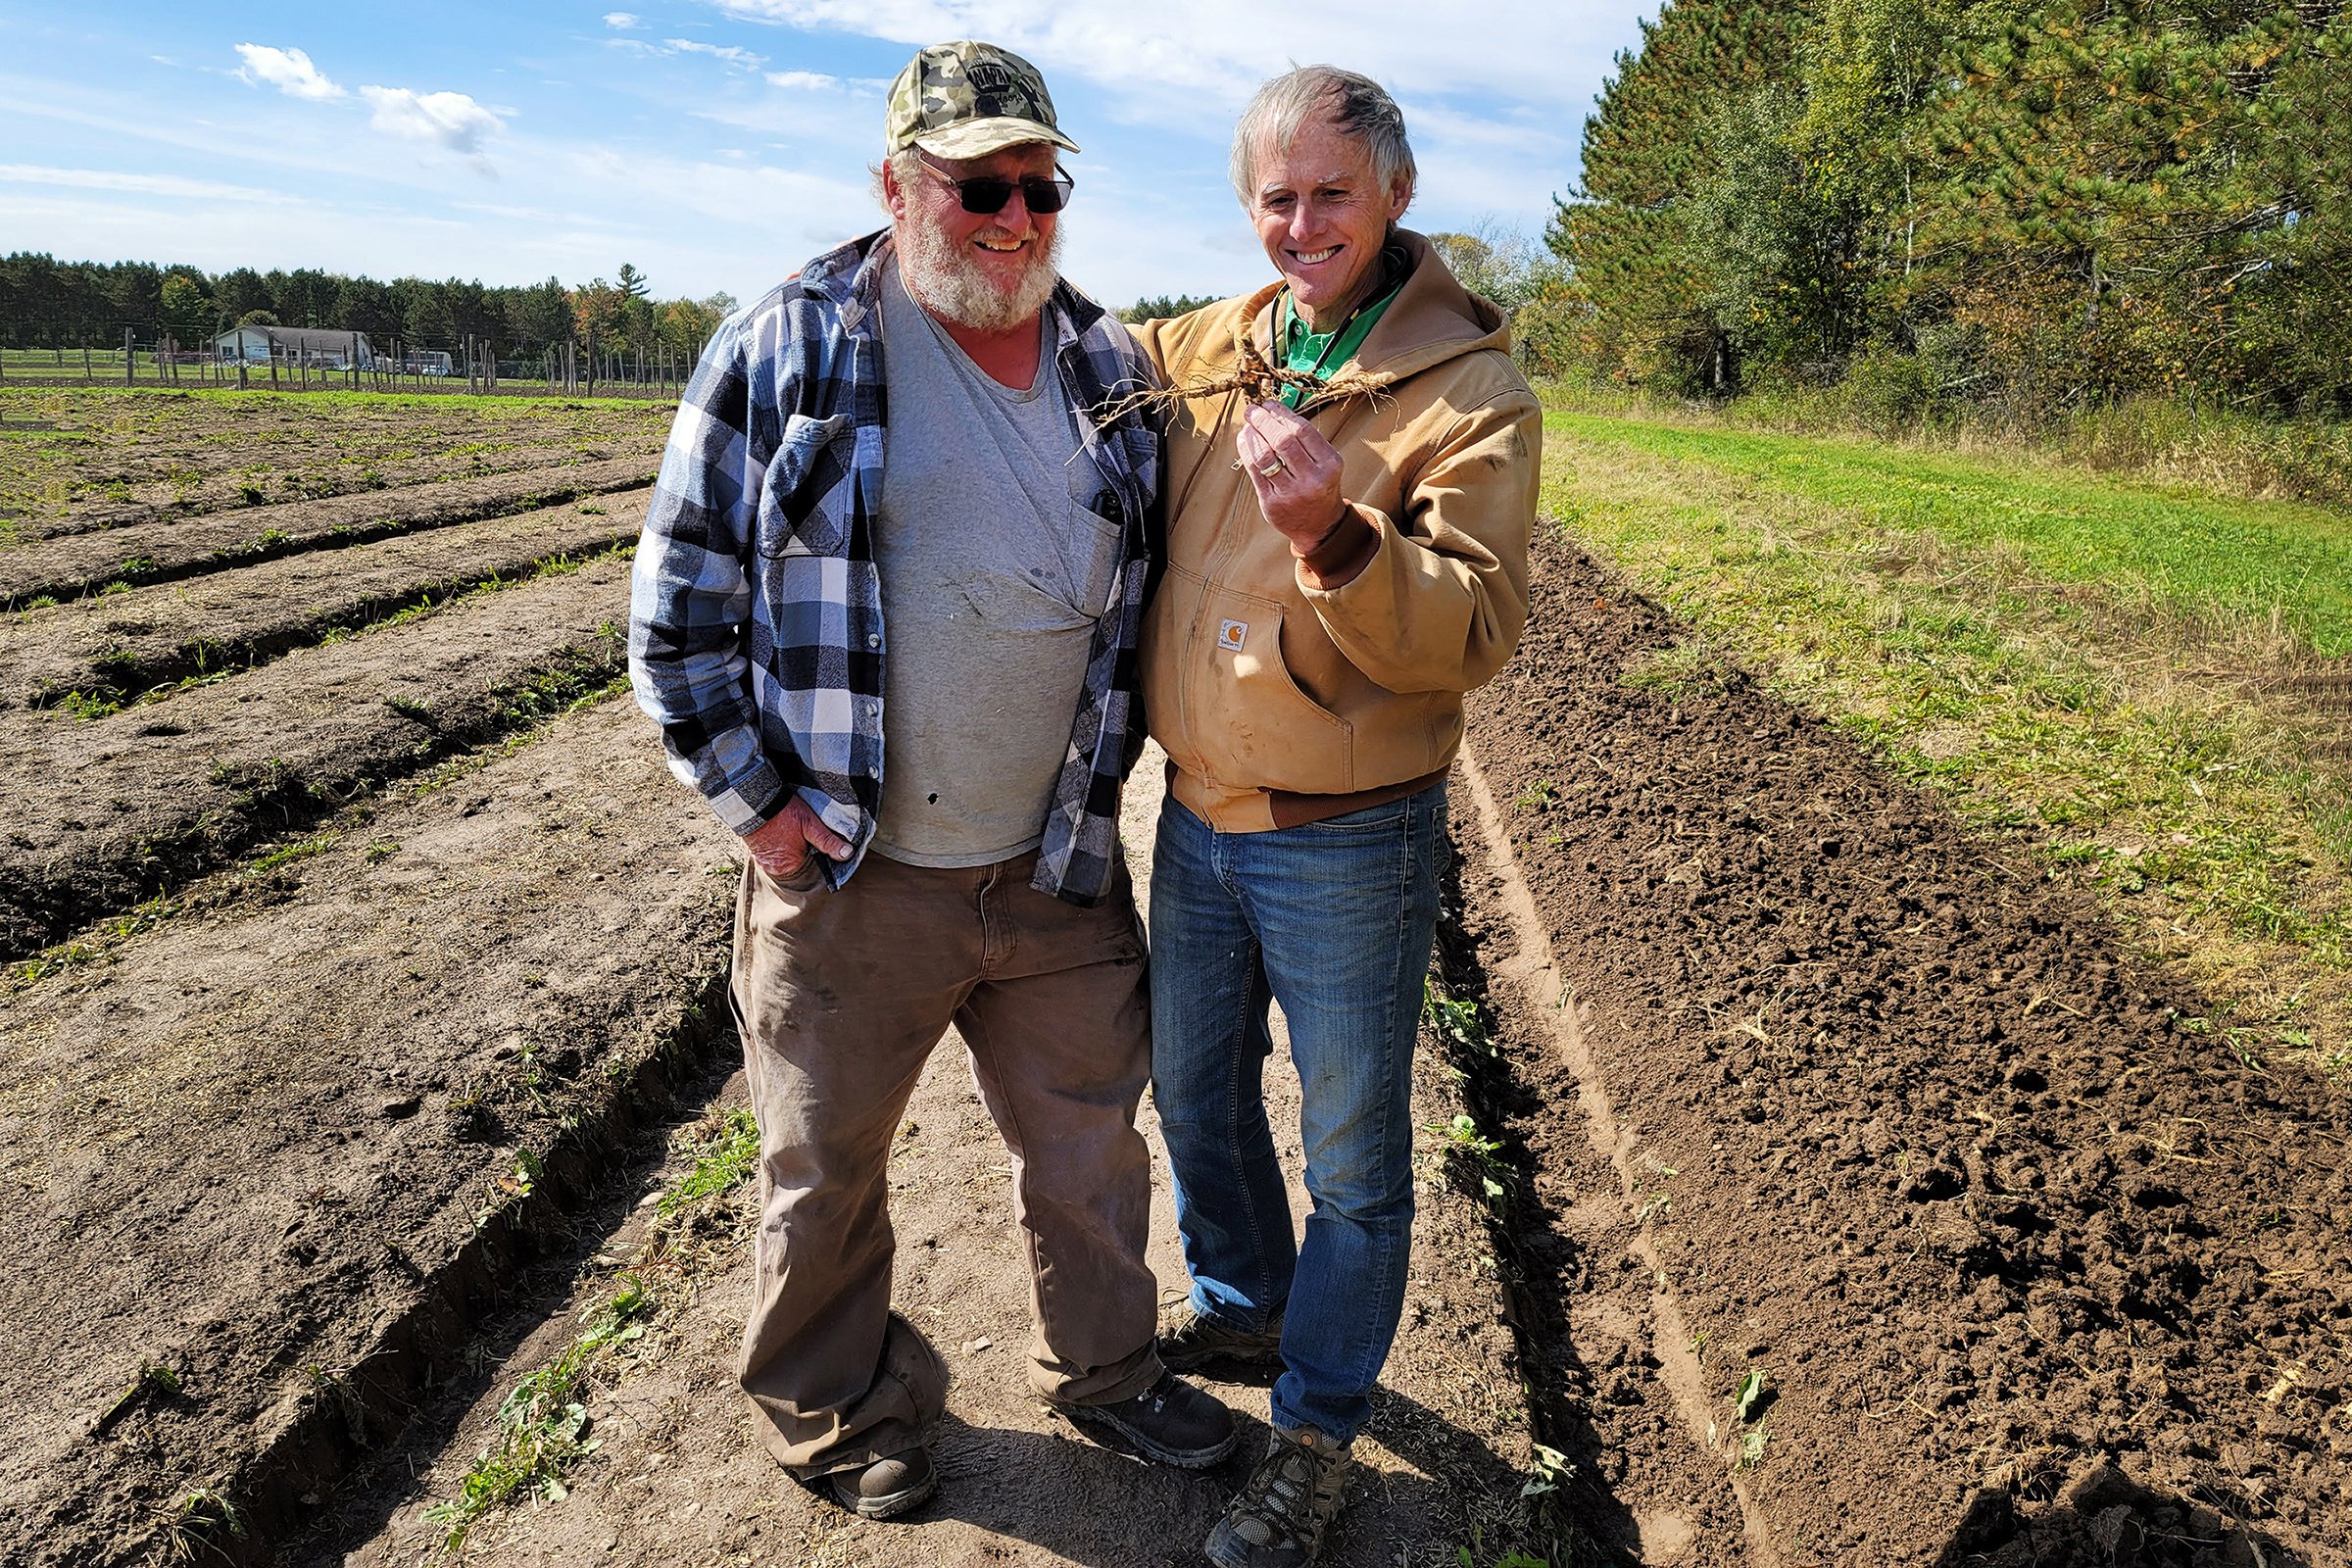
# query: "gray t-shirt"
[[992, 574]]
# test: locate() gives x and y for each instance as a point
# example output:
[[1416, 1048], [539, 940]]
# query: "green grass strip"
[[2202, 554]]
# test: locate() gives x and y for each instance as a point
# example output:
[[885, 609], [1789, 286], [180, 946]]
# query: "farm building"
[[297, 345]]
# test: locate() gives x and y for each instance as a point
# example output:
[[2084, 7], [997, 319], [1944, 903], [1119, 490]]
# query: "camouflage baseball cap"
[[966, 100]]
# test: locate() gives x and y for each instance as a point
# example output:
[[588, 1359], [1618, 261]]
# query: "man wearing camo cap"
[[892, 461]]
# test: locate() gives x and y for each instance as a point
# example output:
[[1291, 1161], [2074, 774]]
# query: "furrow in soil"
[[275, 1158], [178, 548], [2011, 1249], [121, 644], [108, 811], [1619, 1383]]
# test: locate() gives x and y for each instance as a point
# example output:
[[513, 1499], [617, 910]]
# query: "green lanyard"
[[1341, 343]]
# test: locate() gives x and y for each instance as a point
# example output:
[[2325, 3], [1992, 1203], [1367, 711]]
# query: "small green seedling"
[[1551, 1468]]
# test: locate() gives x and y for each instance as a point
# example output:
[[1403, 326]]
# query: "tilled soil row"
[[176, 548], [1928, 1151], [118, 646], [244, 453], [1639, 1479], [109, 811], [276, 1159]]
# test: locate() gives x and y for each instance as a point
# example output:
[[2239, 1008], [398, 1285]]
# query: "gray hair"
[[1357, 106], [904, 165]]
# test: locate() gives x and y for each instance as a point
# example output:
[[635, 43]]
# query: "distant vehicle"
[[319, 348]]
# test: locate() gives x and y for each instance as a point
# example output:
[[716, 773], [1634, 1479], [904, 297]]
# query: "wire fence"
[[469, 366]]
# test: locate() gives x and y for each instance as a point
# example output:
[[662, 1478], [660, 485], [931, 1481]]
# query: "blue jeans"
[[1333, 920]]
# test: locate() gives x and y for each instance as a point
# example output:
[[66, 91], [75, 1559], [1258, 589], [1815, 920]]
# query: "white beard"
[[951, 286]]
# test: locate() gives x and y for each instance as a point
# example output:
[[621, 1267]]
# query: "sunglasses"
[[988, 193]]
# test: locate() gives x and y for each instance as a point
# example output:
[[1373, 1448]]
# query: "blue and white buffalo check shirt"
[[756, 635]]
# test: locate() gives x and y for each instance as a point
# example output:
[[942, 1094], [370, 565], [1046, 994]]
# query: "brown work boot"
[[1170, 1421], [1278, 1518], [1189, 1341], [888, 1487]]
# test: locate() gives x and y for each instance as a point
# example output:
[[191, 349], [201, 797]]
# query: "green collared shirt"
[[1322, 353]]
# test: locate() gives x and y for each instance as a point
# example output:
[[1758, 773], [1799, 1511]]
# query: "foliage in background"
[[2025, 207], [1160, 308], [45, 303]]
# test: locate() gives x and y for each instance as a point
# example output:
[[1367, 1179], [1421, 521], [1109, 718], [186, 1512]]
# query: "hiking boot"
[[887, 1488], [1189, 1341], [1278, 1518], [1170, 1421]]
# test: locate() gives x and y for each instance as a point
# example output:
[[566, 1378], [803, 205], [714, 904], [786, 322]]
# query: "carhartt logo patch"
[[1232, 634]]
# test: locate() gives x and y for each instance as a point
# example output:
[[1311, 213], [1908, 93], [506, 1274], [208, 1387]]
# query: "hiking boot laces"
[[1292, 1496]]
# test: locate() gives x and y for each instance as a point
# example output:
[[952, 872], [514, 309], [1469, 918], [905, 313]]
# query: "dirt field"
[[1853, 1196], [92, 460], [1894, 1126], [680, 1479]]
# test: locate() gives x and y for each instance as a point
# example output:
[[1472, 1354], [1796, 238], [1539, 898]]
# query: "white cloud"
[[740, 59], [623, 20], [173, 187], [452, 118], [289, 70], [804, 82], [1170, 53]]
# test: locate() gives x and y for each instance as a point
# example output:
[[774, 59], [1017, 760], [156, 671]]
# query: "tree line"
[[45, 303], [2036, 203]]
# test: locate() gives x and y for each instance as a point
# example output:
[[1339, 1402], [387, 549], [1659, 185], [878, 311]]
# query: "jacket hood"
[[1433, 319]]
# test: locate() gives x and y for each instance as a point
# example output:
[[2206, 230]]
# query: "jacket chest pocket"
[[804, 496]]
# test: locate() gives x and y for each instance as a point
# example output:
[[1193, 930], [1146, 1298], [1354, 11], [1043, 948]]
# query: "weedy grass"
[[725, 1157], [2103, 672], [543, 1426], [194, 1525]]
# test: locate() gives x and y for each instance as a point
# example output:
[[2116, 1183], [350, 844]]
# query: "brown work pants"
[[840, 996]]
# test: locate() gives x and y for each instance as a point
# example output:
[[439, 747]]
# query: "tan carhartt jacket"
[[1263, 689]]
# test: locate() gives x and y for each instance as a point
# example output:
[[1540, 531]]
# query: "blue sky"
[[718, 144]]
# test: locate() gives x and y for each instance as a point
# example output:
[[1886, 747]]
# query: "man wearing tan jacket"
[[1339, 573]]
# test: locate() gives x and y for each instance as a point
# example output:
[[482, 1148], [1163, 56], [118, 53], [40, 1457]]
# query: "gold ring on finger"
[[1272, 468]]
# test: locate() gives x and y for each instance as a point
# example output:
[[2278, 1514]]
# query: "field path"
[[679, 1477]]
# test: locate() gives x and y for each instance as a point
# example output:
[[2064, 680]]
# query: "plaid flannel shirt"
[[756, 635]]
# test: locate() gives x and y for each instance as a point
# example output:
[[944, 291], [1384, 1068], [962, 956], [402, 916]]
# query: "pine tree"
[[2147, 193], [1630, 231]]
